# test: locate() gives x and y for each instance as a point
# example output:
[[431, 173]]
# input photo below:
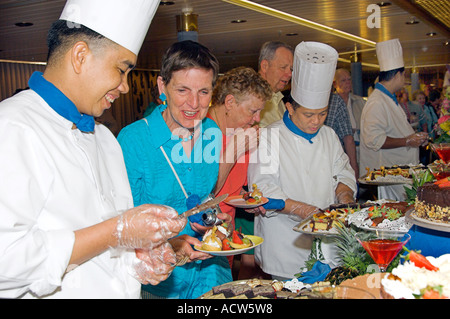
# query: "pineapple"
[[340, 274], [419, 178], [353, 258]]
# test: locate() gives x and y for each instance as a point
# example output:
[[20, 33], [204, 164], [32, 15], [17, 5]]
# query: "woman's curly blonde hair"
[[240, 82]]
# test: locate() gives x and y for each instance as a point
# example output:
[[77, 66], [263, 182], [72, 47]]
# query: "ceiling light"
[[431, 34], [383, 4], [412, 21], [24, 24], [238, 21], [294, 19]]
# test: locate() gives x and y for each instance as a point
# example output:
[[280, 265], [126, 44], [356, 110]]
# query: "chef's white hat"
[[313, 73], [125, 22], [390, 55]]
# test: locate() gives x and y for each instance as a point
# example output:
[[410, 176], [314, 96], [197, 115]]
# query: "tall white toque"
[[125, 22], [313, 73], [390, 55]]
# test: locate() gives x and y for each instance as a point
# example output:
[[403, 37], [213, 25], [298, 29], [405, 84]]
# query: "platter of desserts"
[[292, 289], [325, 222], [247, 200], [394, 175], [219, 241], [257, 289], [383, 215]]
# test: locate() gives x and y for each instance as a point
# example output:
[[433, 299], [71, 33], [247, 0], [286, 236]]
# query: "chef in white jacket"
[[301, 166], [387, 138], [68, 229]]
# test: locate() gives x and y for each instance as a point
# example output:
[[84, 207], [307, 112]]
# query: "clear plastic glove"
[[148, 226], [417, 139], [345, 197], [154, 265], [302, 211]]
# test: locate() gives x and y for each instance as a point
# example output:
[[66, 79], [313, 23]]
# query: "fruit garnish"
[[419, 260]]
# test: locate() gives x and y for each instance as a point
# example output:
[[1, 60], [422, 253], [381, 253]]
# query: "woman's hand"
[[182, 245]]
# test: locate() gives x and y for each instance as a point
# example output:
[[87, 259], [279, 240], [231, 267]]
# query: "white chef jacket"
[[381, 118], [55, 180], [288, 166]]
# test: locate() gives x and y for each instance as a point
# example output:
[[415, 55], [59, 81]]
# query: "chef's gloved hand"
[[148, 226], [345, 197], [417, 139], [154, 265], [318, 272], [274, 203], [302, 211]]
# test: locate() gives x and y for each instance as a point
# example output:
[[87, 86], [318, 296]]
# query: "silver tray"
[[425, 223], [383, 181]]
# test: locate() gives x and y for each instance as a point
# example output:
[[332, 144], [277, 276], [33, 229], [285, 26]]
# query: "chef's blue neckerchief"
[[60, 103], [381, 87], [294, 129]]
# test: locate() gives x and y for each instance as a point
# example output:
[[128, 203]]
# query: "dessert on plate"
[[219, 238], [253, 197]]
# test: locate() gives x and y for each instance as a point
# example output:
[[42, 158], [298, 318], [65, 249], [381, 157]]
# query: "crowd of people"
[[86, 214]]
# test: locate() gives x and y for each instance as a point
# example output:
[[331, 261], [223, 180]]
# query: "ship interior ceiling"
[[234, 30]]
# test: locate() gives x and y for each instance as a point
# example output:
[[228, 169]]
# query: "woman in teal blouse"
[[172, 158]]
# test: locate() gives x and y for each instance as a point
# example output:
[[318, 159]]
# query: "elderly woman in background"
[[237, 101], [404, 102], [167, 160], [417, 110]]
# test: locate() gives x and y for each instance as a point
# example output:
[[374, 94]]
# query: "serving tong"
[[181, 260]]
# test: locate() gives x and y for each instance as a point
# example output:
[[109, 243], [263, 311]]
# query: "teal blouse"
[[152, 181]]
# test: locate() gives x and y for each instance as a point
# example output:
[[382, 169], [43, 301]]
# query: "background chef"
[[387, 138]]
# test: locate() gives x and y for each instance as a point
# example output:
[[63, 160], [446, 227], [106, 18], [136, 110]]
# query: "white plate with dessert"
[[240, 202], [248, 200], [218, 241]]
